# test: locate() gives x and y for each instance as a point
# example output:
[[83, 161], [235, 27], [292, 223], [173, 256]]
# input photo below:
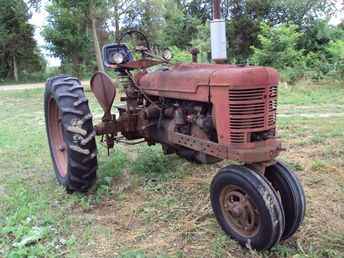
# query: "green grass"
[[306, 93], [150, 205]]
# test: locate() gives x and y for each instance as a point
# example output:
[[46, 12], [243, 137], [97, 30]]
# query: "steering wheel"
[[140, 39]]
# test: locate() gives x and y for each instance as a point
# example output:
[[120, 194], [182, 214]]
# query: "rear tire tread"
[[72, 111], [76, 87], [89, 158], [80, 101], [68, 95], [77, 130], [80, 150], [89, 138]]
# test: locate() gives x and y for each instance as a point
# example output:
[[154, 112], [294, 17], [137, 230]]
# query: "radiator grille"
[[237, 137], [273, 91], [251, 110], [246, 95]]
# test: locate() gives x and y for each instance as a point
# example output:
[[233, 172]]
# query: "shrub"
[[292, 74], [278, 47], [180, 56], [335, 51], [202, 42], [315, 66]]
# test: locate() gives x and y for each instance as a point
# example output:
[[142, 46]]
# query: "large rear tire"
[[71, 135], [247, 208]]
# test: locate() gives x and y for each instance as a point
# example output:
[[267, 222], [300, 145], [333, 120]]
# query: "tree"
[[93, 20], [93, 12], [71, 30], [244, 25], [67, 34], [301, 13], [18, 49], [278, 46], [123, 12], [200, 9], [180, 28], [245, 17]]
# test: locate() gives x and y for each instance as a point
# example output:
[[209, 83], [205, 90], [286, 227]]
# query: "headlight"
[[118, 58], [167, 54]]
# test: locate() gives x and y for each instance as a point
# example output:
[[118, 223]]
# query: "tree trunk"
[[97, 46], [95, 39], [117, 32], [76, 60], [15, 68]]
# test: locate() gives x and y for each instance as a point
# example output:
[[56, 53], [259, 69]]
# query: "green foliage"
[[243, 27], [278, 46], [315, 66], [300, 29], [335, 49], [317, 34], [180, 56], [151, 163], [301, 13], [110, 170], [179, 27], [150, 20], [327, 63], [18, 49], [202, 42], [246, 16], [67, 35]]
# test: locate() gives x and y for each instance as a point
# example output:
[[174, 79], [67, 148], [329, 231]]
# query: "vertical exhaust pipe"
[[218, 35]]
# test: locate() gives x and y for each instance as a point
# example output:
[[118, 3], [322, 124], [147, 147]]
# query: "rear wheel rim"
[[239, 211], [58, 145]]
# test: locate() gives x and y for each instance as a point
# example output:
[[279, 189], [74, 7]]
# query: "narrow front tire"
[[247, 208], [286, 183]]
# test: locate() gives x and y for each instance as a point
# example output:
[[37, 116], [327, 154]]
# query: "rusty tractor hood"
[[186, 78]]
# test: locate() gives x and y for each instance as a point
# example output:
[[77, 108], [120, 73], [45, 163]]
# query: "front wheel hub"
[[239, 211]]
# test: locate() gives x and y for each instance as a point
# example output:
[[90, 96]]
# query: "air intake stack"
[[218, 35]]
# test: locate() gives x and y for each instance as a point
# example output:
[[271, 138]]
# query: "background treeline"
[[19, 54], [291, 35]]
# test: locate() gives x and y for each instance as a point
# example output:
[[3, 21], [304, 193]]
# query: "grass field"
[[149, 205]]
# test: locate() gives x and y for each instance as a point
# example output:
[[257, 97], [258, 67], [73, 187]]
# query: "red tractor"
[[204, 113]]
